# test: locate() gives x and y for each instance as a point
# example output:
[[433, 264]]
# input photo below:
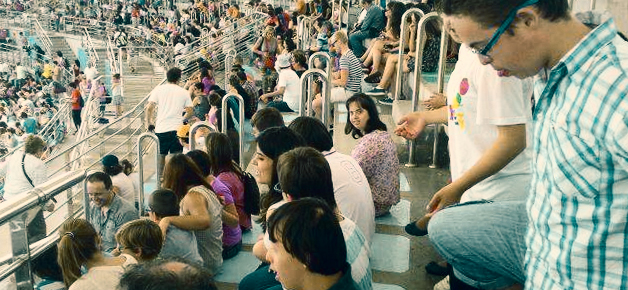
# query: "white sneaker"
[[443, 284]]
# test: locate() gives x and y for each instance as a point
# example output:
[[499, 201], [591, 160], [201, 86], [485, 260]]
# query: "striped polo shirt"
[[578, 204], [350, 62]]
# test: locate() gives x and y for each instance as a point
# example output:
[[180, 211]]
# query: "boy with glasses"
[[571, 232]]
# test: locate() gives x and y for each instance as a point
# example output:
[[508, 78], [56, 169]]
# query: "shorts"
[[169, 143], [118, 100]]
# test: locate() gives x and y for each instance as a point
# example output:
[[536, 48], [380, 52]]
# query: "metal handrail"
[[421, 35], [140, 161], [326, 95], [43, 36], [194, 128], [224, 116], [90, 45], [402, 45]]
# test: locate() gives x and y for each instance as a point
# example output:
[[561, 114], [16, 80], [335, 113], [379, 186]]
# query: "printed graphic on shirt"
[[456, 109]]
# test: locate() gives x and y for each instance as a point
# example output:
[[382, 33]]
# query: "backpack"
[[81, 102], [251, 194]]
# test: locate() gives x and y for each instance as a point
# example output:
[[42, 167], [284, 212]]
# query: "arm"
[[511, 140], [198, 218], [411, 125], [278, 92], [150, 111], [230, 215], [189, 112], [342, 81]]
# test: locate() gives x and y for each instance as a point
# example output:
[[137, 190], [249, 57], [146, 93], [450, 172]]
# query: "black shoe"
[[412, 229], [435, 269]]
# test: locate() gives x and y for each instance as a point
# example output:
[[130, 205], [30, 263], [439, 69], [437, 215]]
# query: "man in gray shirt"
[[178, 243], [107, 211]]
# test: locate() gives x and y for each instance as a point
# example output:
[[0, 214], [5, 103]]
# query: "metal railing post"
[[20, 248], [326, 95], [421, 35], [224, 116], [140, 164], [193, 130], [402, 45]]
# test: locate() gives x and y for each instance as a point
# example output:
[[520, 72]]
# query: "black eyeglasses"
[[502, 28]]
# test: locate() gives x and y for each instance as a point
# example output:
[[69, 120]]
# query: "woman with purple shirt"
[[232, 234], [207, 79], [375, 152]]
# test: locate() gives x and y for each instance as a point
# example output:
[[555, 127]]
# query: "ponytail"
[[78, 244]]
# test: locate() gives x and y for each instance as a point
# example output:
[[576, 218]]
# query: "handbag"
[[251, 193]]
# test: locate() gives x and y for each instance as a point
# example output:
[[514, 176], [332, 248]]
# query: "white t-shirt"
[[20, 71], [103, 277], [91, 73], [479, 101], [292, 94], [124, 183], [352, 191], [171, 100]]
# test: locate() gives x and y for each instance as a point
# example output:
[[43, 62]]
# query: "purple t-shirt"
[[230, 235]]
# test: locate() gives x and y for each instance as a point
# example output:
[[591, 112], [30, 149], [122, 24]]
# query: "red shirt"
[[76, 100]]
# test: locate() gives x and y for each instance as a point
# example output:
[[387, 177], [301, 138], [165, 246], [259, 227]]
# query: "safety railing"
[[43, 36], [195, 127], [95, 27], [229, 58], [140, 160], [421, 36], [218, 43], [17, 255], [402, 44], [592, 4], [11, 18], [88, 44], [306, 96], [304, 29], [224, 128]]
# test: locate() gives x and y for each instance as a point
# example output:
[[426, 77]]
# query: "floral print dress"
[[377, 155]]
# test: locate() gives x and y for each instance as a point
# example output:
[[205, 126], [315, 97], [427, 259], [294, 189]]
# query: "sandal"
[[412, 229], [374, 78]]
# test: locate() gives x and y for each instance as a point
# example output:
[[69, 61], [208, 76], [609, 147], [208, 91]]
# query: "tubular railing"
[[240, 39], [140, 161], [305, 102], [43, 36], [88, 44], [402, 45], [303, 31], [421, 35], [194, 128], [224, 116]]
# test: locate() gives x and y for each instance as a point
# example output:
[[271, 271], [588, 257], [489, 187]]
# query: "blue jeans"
[[484, 242], [355, 42]]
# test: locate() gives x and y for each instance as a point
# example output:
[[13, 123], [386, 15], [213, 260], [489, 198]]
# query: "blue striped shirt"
[[578, 207]]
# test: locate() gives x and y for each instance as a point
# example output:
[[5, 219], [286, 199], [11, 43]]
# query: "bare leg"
[[317, 106], [389, 71], [378, 57]]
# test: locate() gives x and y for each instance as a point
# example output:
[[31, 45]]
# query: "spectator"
[[351, 188], [79, 247], [199, 101], [231, 232], [23, 171], [177, 243], [163, 274], [375, 152], [107, 211], [288, 94], [116, 91], [122, 184], [201, 209], [141, 239], [183, 134], [172, 100], [228, 172], [21, 72], [292, 243], [46, 267], [77, 106], [347, 81], [370, 27], [29, 124], [266, 118], [134, 176]]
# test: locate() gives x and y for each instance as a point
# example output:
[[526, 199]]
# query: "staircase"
[[60, 44]]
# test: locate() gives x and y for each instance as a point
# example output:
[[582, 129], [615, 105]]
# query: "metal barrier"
[[194, 128], [15, 212], [140, 162], [88, 44], [43, 36], [326, 95], [402, 45], [303, 31], [417, 78], [224, 116], [340, 12]]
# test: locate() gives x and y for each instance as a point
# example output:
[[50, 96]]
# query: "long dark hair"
[[78, 244], [220, 154], [396, 9], [374, 123], [181, 173]]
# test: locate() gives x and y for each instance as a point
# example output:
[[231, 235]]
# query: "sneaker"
[[377, 92], [443, 284], [387, 101], [374, 78]]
